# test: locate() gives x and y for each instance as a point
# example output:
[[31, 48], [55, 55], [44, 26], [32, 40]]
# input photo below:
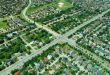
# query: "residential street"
[[59, 38]]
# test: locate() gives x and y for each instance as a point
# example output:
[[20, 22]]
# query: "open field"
[[3, 24]]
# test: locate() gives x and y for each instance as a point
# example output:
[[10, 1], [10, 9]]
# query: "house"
[[46, 59], [49, 57], [74, 68], [69, 63], [17, 73], [51, 72], [89, 67], [9, 36]]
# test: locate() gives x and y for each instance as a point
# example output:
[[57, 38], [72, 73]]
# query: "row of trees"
[[40, 36], [8, 51]]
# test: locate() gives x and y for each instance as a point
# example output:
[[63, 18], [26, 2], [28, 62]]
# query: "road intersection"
[[58, 39]]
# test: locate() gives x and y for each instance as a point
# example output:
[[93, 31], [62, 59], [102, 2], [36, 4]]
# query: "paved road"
[[103, 62], [6, 18], [28, 44], [44, 48], [85, 23], [21, 62], [6, 42], [37, 24]]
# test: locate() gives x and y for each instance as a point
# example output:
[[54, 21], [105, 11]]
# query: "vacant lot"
[[3, 24]]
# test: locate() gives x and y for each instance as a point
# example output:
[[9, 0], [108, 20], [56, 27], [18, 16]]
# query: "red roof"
[[17, 73], [45, 59]]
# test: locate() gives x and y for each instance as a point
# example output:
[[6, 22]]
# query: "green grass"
[[3, 24], [31, 9], [66, 5]]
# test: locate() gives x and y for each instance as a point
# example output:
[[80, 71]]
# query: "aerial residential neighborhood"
[[54, 37]]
